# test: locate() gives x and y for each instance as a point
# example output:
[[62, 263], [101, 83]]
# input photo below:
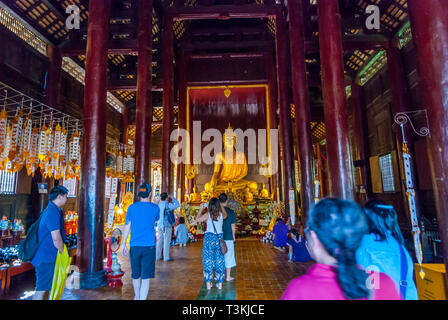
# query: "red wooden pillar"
[[143, 118], [361, 140], [302, 104], [273, 104], [182, 76], [430, 30], [401, 103], [168, 101], [285, 108], [90, 250], [333, 89], [54, 71]]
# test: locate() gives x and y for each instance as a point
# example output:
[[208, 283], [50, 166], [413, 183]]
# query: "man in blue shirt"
[[164, 228], [51, 223], [141, 218]]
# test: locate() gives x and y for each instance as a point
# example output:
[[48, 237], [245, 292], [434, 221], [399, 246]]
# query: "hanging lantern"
[[48, 152], [43, 140], [16, 134], [32, 158], [74, 148], [56, 147], [25, 141], [3, 127], [4, 160], [119, 169]]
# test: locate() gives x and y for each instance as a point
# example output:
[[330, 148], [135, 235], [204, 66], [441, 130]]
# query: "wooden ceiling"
[[47, 18]]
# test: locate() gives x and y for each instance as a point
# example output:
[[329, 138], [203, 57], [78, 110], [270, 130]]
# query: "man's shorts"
[[143, 262], [44, 276], [229, 257]]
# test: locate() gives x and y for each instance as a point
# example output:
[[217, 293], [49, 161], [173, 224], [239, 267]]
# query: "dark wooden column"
[[360, 132], [90, 250], [182, 76], [333, 89], [302, 104], [123, 140], [285, 107], [430, 30], [168, 101], [54, 71], [143, 118], [273, 103], [401, 103]]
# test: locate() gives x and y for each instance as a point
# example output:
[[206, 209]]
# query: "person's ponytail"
[[351, 278], [340, 226]]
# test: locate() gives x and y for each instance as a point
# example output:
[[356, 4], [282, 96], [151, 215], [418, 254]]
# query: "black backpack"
[[29, 246]]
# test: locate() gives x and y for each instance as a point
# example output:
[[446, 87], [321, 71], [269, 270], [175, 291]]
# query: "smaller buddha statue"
[[195, 197], [206, 194], [253, 188], [248, 197], [264, 193]]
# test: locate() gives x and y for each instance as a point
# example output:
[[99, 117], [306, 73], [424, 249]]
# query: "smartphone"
[[206, 205]]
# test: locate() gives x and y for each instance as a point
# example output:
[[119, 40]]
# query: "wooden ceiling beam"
[[223, 12], [78, 47]]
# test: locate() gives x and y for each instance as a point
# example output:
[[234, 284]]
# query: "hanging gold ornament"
[[48, 152], [43, 140], [32, 159], [56, 146], [3, 127], [4, 160], [119, 169], [25, 141], [16, 133]]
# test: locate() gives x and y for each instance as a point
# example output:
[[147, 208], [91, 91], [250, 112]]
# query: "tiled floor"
[[262, 273]]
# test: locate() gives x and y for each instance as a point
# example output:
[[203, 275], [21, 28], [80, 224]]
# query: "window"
[[387, 173], [8, 182], [71, 185]]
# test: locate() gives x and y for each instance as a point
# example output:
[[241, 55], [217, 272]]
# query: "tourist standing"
[[165, 226], [141, 218], [383, 250], [212, 257], [280, 232], [228, 230], [51, 235], [181, 233], [335, 229]]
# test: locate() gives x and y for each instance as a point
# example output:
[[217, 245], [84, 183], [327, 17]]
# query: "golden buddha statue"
[[195, 197], [264, 193], [228, 174], [248, 196]]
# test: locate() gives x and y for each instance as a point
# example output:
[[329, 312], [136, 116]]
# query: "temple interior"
[[352, 102]]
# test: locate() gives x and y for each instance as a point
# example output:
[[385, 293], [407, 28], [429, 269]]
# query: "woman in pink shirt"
[[334, 232]]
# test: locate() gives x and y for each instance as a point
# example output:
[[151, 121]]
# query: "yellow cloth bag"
[[63, 262]]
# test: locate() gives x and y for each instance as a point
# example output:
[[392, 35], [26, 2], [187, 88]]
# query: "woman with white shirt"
[[212, 258]]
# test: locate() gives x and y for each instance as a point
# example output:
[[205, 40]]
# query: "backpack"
[[29, 246], [168, 217]]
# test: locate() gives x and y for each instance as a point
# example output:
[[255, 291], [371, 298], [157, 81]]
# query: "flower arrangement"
[[268, 238]]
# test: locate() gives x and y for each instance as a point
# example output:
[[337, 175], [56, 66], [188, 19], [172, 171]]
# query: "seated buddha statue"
[[264, 193], [248, 197], [228, 173], [195, 197]]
